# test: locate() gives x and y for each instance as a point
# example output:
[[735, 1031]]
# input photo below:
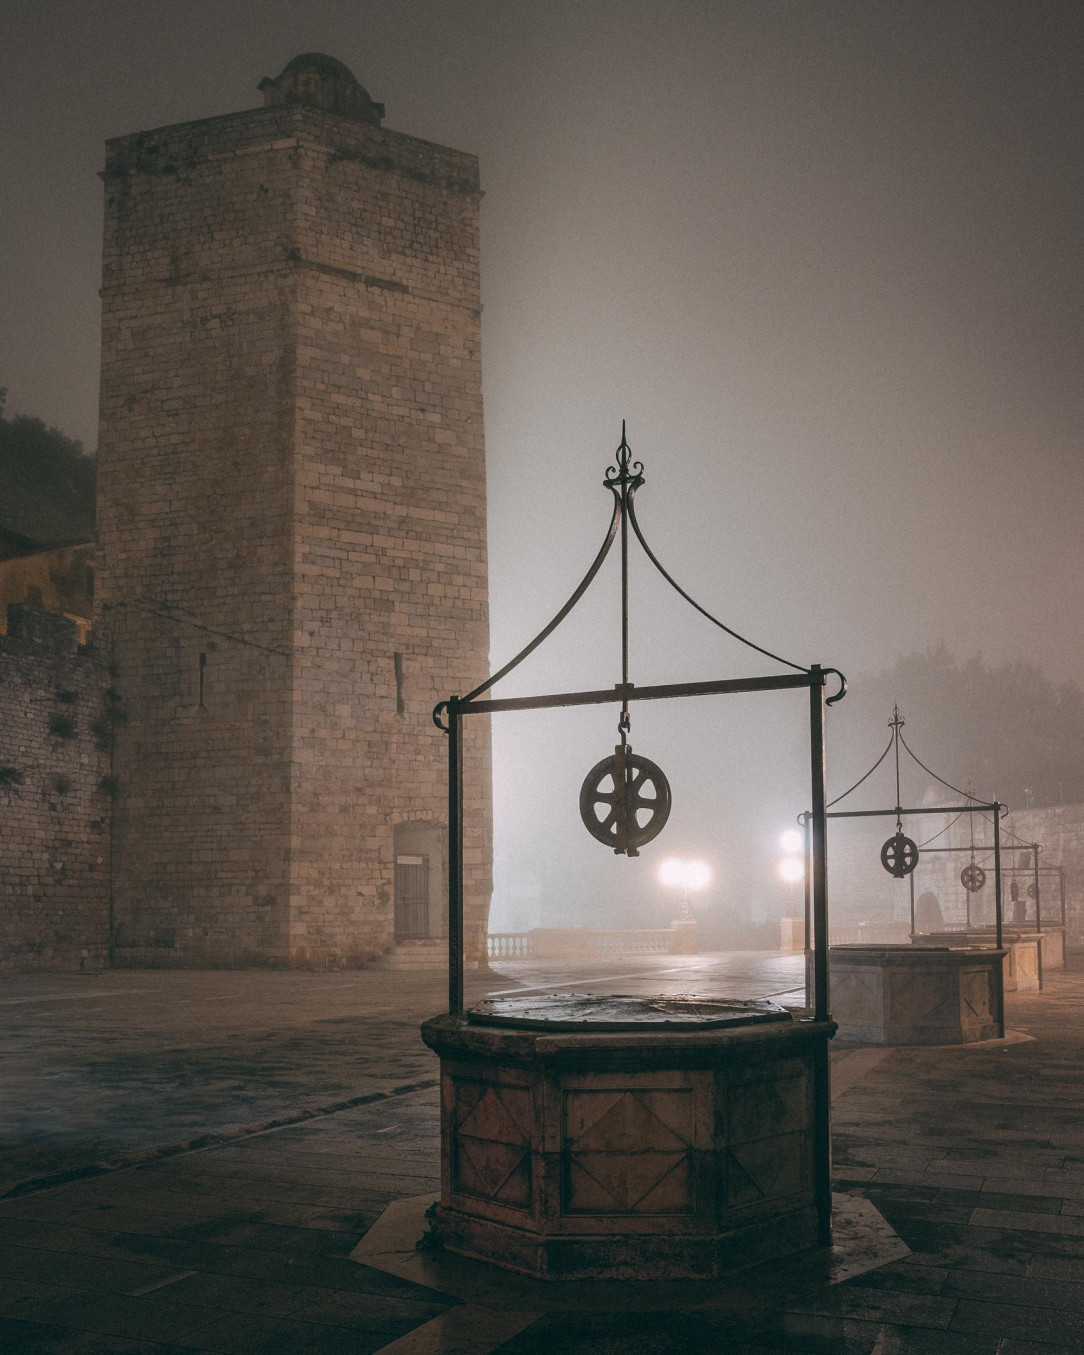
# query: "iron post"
[[455, 858], [808, 930], [1038, 911], [998, 930], [822, 1087]]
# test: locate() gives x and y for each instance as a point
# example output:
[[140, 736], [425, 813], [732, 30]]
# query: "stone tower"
[[292, 527]]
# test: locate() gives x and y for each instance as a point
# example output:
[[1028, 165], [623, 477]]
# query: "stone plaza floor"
[[187, 1158]]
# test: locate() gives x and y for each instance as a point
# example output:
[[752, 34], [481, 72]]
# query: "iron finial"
[[627, 474]]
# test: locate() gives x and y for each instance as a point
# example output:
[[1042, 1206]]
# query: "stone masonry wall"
[[390, 517], [56, 711], [194, 529], [292, 527]]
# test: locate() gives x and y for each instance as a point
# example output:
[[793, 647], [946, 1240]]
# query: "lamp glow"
[[672, 872], [791, 869], [675, 873], [792, 842]]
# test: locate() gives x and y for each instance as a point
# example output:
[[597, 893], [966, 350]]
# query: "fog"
[[823, 257]]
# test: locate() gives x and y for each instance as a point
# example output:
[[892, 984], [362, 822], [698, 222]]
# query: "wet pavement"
[[975, 1156], [96, 1067]]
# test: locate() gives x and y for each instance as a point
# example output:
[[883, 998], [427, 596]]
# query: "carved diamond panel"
[[766, 1170], [975, 992], [760, 1108], [920, 999], [491, 1143], [856, 997], [628, 1152]]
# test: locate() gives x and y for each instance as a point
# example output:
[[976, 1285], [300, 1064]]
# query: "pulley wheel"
[[899, 856], [625, 801], [972, 878]]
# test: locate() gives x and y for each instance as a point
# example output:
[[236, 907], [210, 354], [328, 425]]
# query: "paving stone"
[[907, 1275], [245, 1334], [116, 1315], [99, 1273], [36, 1338], [14, 1293], [847, 1300], [619, 1334], [370, 1312], [1028, 1222], [234, 1294], [1028, 1291], [1058, 1268], [1034, 1324]]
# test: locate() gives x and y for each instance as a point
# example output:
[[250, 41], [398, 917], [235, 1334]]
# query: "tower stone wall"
[[291, 525]]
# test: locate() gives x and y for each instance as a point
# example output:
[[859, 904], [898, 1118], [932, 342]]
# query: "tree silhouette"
[[47, 482], [1007, 729]]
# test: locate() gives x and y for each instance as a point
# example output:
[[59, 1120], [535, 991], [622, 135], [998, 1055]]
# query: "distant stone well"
[[900, 995]]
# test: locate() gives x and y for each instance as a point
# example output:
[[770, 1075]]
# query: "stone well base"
[[675, 1153], [1025, 951], [902, 995]]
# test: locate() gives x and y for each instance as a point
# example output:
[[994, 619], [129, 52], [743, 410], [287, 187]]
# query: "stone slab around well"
[[904, 995], [674, 1148], [400, 1244]]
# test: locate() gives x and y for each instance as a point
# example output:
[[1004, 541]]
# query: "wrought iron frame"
[[899, 812], [623, 479]]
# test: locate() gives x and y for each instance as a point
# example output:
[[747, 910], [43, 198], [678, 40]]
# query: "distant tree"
[[47, 481], [1008, 728]]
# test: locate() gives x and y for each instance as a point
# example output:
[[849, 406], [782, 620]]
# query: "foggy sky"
[[825, 258]]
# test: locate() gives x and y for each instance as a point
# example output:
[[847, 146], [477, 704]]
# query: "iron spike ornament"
[[899, 855], [972, 878], [637, 785]]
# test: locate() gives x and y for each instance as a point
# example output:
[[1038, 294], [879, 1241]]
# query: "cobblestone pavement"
[[975, 1156]]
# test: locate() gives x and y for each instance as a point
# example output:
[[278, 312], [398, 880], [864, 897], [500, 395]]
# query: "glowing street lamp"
[[677, 873], [792, 867]]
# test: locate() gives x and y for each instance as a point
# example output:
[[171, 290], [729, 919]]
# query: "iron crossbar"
[[628, 691], [891, 813]]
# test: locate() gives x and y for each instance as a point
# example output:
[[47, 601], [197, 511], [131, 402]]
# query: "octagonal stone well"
[[630, 1138]]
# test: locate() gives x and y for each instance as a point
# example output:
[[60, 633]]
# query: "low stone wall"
[[55, 796]]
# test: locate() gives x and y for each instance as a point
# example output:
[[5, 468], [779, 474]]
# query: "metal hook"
[[831, 700], [439, 710]]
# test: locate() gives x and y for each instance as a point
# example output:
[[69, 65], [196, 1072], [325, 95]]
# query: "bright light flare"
[[675, 873], [791, 869], [792, 842]]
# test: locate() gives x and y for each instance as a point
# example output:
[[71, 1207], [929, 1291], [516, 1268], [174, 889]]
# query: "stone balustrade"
[[572, 943]]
